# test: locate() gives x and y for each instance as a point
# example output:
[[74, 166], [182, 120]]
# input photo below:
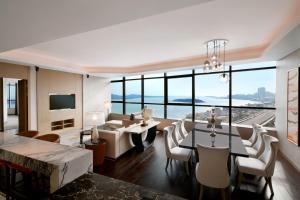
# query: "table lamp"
[[94, 119]]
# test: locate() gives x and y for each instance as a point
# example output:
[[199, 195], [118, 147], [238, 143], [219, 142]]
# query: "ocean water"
[[176, 112]]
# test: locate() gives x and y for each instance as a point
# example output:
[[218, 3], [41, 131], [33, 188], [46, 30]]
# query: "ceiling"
[[139, 35]]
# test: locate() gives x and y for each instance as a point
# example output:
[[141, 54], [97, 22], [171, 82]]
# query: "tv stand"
[[62, 124]]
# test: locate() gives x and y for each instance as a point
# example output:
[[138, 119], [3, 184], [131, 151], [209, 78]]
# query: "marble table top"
[[61, 163], [95, 187]]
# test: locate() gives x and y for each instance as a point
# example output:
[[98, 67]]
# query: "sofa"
[[117, 142]]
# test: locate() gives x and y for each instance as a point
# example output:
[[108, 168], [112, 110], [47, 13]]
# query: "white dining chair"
[[184, 133], [262, 166], [176, 133], [212, 170], [175, 152], [250, 142], [258, 147]]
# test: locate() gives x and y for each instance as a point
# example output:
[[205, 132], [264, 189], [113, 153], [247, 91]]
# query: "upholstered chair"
[[212, 170], [182, 130], [250, 142], [176, 133], [262, 166], [258, 147], [175, 152]]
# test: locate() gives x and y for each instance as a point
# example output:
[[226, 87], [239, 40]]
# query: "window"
[[154, 75], [154, 90], [248, 116], [133, 91], [117, 91], [132, 108], [202, 113], [180, 90], [209, 90], [253, 65], [254, 88], [175, 73], [117, 108], [11, 95], [157, 110], [252, 94], [179, 112]]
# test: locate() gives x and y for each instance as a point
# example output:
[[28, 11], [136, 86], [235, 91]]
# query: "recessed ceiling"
[[170, 38]]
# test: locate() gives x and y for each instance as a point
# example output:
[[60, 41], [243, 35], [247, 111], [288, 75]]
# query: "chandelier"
[[215, 57]]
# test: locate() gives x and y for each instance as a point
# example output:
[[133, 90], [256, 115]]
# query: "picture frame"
[[293, 80]]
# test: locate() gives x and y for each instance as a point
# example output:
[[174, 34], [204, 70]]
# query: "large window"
[[11, 95], [249, 96]]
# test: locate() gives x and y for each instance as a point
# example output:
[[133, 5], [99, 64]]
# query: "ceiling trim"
[[233, 55]]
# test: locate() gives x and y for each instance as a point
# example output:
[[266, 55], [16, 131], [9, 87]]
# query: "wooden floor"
[[148, 169]]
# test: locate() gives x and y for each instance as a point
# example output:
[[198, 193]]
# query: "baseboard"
[[290, 161]]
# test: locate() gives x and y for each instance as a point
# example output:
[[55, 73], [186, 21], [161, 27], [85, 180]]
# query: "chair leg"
[[167, 164], [223, 193], [240, 178], [269, 182], [187, 168], [7, 182], [201, 192]]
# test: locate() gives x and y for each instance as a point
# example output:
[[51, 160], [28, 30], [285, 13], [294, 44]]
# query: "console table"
[[136, 132]]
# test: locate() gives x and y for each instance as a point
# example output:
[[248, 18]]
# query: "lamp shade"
[[95, 118]]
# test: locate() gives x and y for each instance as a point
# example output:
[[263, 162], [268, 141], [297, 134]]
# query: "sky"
[[205, 85]]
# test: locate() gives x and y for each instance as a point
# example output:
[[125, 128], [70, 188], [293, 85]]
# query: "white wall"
[[95, 92], [290, 150], [32, 103]]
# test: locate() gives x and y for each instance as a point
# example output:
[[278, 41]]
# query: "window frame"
[[230, 72]]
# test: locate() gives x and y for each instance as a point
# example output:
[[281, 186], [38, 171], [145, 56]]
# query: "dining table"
[[224, 137]]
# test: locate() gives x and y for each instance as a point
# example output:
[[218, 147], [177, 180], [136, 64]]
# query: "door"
[[1, 105], [23, 105]]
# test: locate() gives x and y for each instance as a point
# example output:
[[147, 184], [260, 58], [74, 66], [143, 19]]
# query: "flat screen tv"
[[62, 101]]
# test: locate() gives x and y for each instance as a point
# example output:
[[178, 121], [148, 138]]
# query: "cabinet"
[[62, 124]]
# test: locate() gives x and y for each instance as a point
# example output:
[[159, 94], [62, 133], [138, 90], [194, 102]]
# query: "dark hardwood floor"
[[148, 169]]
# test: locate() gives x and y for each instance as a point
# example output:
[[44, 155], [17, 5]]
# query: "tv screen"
[[58, 102]]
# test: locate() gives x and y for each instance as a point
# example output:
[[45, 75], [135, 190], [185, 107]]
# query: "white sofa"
[[117, 142]]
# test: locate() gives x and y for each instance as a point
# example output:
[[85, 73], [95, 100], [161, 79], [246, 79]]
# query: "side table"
[[98, 151]]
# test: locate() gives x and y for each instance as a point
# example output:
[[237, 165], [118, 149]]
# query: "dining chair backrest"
[[259, 143], [269, 154], [176, 133], [253, 137], [212, 170], [183, 131], [169, 143]]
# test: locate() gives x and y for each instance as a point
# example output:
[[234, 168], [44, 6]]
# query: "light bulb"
[[224, 77], [214, 62], [214, 57], [206, 63]]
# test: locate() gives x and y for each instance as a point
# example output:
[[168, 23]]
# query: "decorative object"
[[214, 60], [94, 119], [147, 115], [293, 106], [213, 122]]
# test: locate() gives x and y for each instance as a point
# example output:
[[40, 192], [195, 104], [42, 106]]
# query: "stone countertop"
[[95, 187], [61, 163]]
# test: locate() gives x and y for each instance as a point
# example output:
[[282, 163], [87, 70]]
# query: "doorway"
[[14, 105]]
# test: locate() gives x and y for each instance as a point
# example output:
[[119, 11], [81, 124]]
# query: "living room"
[[192, 99]]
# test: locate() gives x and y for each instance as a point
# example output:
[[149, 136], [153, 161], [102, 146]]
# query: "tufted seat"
[[177, 137], [173, 151], [182, 130], [250, 142], [262, 166], [258, 147]]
